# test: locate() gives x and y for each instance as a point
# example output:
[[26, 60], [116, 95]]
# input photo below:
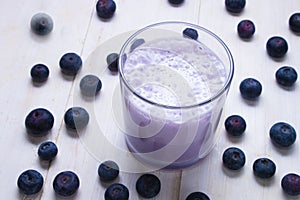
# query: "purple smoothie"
[[165, 124]]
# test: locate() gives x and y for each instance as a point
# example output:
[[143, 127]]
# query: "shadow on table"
[[233, 173], [267, 182]]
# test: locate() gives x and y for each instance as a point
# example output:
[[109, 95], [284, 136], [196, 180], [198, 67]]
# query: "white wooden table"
[[78, 29]]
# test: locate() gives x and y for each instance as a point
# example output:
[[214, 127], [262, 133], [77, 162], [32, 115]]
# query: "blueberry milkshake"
[[167, 123]]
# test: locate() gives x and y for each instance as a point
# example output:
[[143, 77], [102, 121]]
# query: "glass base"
[[158, 164]]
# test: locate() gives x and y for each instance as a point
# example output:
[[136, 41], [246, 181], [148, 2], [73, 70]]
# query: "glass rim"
[[226, 85]]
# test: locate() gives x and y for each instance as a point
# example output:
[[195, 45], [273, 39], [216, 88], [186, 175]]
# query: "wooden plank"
[[20, 50], [103, 38], [275, 104], [81, 160]]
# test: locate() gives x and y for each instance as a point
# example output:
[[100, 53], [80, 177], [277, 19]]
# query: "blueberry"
[[39, 73], [235, 125], [70, 64], [105, 8], [76, 118], [39, 121], [116, 191], [290, 184], [112, 61], [138, 42], [30, 182], [246, 29], [47, 151], [176, 2], [277, 47], [234, 158], [294, 22], [123, 58], [66, 183], [197, 196], [235, 6], [41, 24], [90, 85], [264, 168], [108, 170], [282, 134], [148, 185], [250, 88], [190, 33], [286, 76]]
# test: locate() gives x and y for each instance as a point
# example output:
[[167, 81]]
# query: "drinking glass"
[[174, 79]]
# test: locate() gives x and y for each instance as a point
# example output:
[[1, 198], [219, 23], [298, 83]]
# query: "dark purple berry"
[[90, 85], [47, 151], [66, 183], [190, 33], [264, 168], [108, 170], [286, 76], [136, 43], [290, 184], [277, 47], [282, 134], [105, 8], [30, 182], [148, 185], [294, 22], [235, 125], [234, 158], [76, 118], [70, 64], [250, 88], [39, 73], [39, 121], [112, 61], [176, 2], [246, 29], [41, 23], [197, 196], [116, 191], [235, 6]]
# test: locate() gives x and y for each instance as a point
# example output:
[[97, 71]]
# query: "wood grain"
[[78, 29]]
